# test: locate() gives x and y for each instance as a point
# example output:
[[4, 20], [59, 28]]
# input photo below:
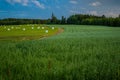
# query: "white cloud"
[[111, 14], [37, 3], [95, 4], [93, 12], [74, 11], [73, 2], [17, 1], [10, 1], [23, 2]]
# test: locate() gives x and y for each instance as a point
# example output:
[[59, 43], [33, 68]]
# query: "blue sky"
[[42, 9]]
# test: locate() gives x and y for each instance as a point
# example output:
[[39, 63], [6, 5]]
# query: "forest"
[[77, 19]]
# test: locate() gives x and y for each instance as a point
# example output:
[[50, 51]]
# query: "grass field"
[[26, 32], [79, 53]]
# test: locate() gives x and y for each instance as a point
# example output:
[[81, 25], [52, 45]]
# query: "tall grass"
[[79, 53]]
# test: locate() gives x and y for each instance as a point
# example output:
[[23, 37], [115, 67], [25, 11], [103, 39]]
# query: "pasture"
[[79, 53], [26, 32]]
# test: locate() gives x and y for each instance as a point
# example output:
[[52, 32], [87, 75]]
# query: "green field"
[[79, 53], [26, 32]]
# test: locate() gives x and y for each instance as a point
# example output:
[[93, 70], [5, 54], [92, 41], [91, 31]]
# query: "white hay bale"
[[46, 31], [24, 29], [43, 28], [12, 27], [53, 28], [32, 27], [38, 27], [8, 29]]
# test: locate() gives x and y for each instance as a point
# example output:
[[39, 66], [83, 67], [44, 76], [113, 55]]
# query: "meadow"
[[26, 32], [79, 53]]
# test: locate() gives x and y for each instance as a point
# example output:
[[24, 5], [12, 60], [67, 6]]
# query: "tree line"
[[93, 20], [78, 19]]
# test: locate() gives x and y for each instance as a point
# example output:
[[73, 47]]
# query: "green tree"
[[119, 16], [103, 16], [53, 19], [63, 20]]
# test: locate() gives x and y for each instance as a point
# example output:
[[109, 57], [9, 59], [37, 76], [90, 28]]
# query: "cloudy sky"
[[42, 9]]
